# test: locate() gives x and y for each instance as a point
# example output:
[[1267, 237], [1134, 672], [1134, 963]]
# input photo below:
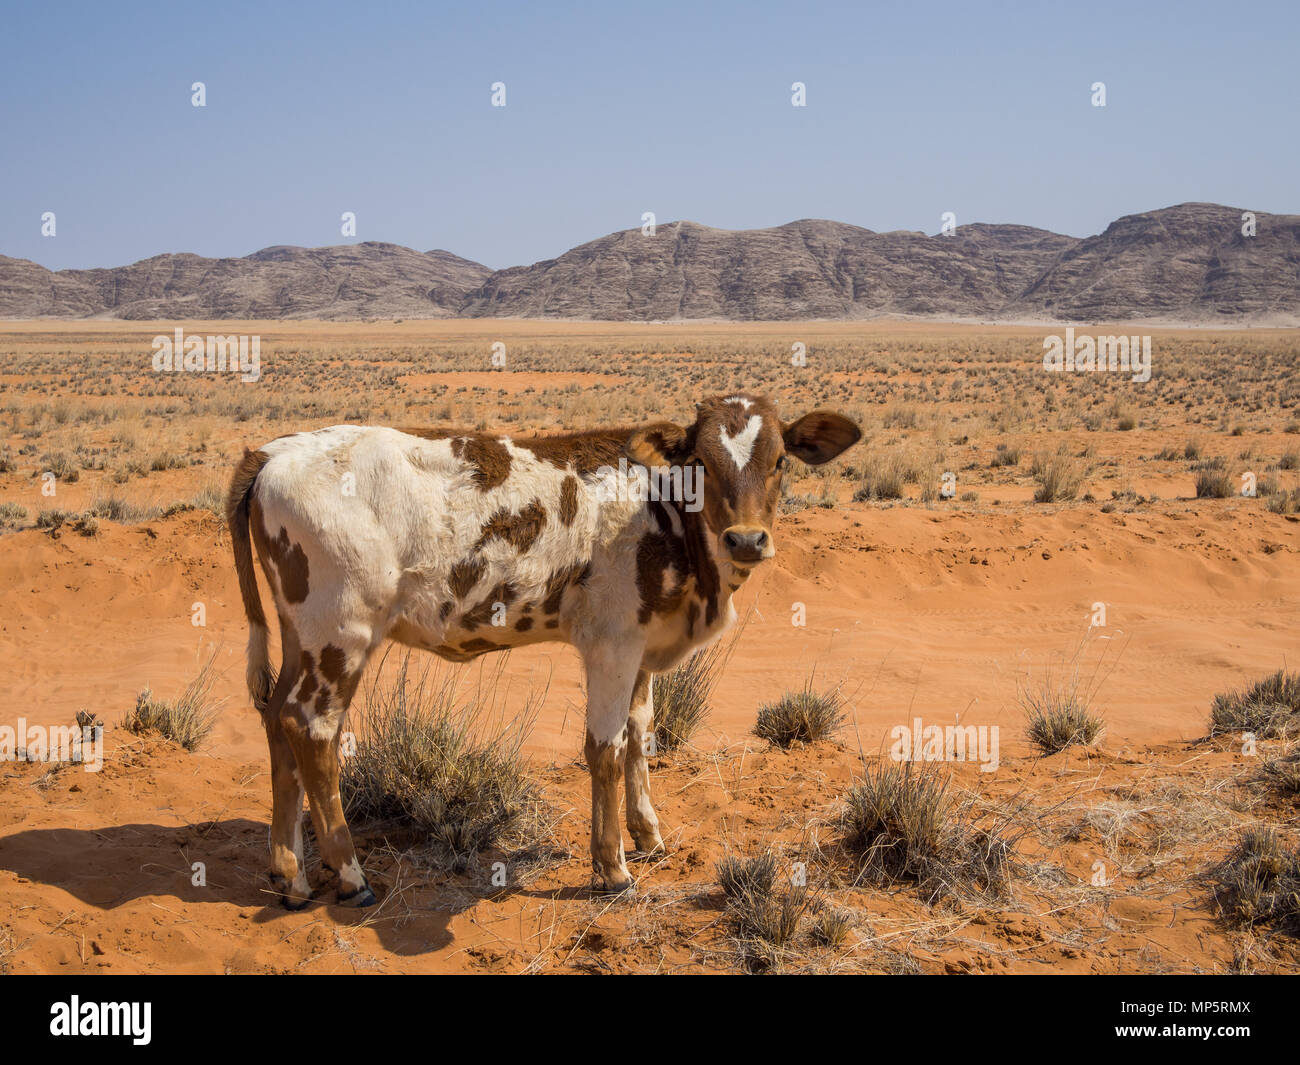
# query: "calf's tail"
[[260, 675]]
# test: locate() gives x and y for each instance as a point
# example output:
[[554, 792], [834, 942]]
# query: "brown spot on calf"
[[482, 614], [584, 453], [288, 559], [488, 456], [520, 530], [332, 663], [558, 582], [569, 500], [464, 575]]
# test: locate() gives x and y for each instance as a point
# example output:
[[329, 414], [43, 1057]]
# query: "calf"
[[464, 543]]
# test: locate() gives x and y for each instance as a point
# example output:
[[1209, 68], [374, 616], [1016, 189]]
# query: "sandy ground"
[[915, 611]]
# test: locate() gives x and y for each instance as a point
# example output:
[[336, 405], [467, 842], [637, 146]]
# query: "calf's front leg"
[[611, 674]]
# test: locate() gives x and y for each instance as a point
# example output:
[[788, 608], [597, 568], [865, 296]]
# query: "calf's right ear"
[[661, 444], [819, 436]]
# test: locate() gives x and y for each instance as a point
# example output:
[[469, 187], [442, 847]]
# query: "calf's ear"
[[819, 436], [661, 444]]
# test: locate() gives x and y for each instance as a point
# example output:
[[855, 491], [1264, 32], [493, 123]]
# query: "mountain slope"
[[347, 281], [1188, 263]]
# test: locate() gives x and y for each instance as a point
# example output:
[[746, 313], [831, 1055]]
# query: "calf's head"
[[742, 446]]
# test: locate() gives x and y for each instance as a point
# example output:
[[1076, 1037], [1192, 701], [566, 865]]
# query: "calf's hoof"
[[648, 847], [292, 897], [611, 885], [363, 896]]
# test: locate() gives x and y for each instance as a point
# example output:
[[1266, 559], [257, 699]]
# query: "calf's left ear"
[[661, 444], [819, 436]]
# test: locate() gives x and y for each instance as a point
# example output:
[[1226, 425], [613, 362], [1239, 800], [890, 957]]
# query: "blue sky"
[[384, 109]]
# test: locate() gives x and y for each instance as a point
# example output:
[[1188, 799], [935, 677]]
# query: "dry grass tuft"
[[444, 764], [1283, 774], [1270, 708], [1059, 477], [188, 720], [1056, 720], [805, 716], [1213, 483], [681, 696], [1058, 713], [1258, 883], [764, 913], [901, 825]]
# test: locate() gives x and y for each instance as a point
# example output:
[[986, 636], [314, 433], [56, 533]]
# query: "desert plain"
[[1001, 532]]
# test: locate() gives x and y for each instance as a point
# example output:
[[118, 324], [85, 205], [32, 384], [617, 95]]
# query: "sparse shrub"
[[1213, 484], [1057, 718], [1269, 708], [764, 909], [52, 518], [1289, 460], [54, 521], [1284, 502], [801, 717], [63, 466], [747, 876], [1006, 456], [114, 508], [167, 460], [1283, 774], [830, 928], [883, 477], [11, 513], [1258, 882], [681, 696], [188, 720], [824, 500], [900, 824], [210, 498], [442, 765], [1059, 477]]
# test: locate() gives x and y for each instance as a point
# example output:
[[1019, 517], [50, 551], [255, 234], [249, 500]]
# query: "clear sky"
[[683, 109]]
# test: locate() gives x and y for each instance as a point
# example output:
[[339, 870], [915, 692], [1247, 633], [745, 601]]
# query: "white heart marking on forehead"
[[741, 446]]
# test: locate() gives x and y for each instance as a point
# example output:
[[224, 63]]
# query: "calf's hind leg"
[[311, 720], [641, 819], [288, 871]]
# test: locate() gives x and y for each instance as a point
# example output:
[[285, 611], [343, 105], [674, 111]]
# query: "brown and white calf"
[[464, 543]]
